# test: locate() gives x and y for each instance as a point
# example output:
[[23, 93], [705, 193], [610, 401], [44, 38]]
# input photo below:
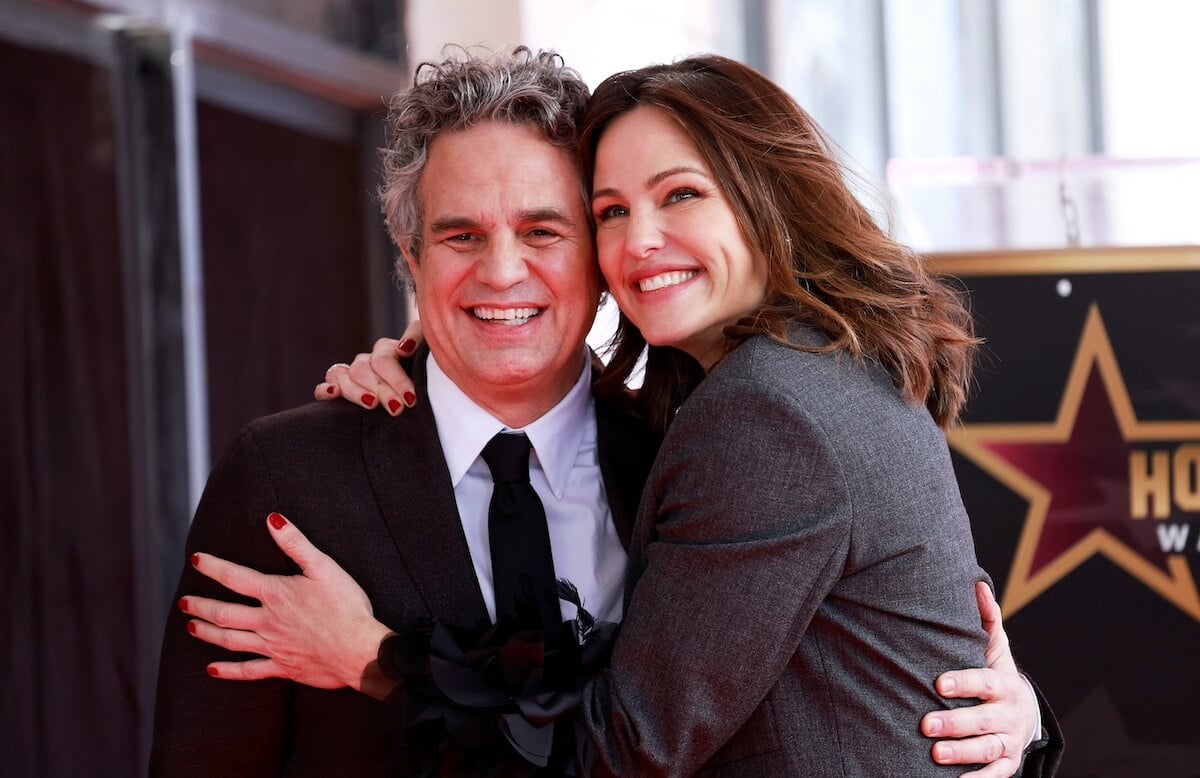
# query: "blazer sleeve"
[[204, 726], [746, 548], [1044, 760]]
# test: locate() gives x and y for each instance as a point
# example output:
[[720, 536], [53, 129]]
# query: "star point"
[[1075, 473]]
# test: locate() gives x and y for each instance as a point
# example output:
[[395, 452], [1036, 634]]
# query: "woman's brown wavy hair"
[[829, 264]]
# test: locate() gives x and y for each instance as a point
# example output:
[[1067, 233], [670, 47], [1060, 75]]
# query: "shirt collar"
[[464, 428]]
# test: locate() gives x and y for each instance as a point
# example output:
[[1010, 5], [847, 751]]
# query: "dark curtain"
[[284, 270], [69, 662], [286, 293]]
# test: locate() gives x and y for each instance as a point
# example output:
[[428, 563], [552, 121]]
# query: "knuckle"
[[227, 578], [384, 351], [362, 373], [292, 542]]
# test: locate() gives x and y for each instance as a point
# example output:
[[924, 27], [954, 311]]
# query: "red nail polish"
[[410, 399], [183, 604], [330, 389], [394, 405], [192, 627], [277, 521], [212, 671], [369, 400], [406, 345], [195, 559]]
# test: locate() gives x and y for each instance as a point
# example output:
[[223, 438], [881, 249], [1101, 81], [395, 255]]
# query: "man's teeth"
[[507, 316], [663, 280]]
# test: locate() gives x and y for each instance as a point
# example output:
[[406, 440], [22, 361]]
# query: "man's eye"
[[462, 237]]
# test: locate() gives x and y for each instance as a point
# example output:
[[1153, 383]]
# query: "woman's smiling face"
[[667, 239]]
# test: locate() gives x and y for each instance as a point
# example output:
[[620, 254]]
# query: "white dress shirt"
[[564, 469]]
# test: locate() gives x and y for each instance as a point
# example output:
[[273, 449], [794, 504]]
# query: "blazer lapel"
[[408, 474]]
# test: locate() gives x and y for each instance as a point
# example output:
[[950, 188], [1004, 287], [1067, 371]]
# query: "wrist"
[[362, 668]]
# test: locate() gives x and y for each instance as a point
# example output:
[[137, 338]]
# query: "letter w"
[[1172, 537]]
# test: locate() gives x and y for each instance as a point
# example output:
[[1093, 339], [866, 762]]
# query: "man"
[[484, 201]]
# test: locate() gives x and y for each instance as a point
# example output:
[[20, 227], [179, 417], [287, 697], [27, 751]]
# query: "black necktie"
[[522, 565]]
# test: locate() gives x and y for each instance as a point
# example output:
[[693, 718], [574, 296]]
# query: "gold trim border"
[[1066, 261]]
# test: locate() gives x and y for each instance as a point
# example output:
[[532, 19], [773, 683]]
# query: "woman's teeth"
[[663, 280]]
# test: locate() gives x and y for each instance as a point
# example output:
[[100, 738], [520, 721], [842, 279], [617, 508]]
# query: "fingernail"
[[277, 521], [406, 345], [394, 405], [410, 399], [183, 604], [948, 685], [368, 400], [192, 627], [933, 726], [330, 389], [943, 752], [195, 559], [212, 671]]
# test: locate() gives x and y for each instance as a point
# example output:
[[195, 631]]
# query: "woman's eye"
[[610, 212], [679, 195]]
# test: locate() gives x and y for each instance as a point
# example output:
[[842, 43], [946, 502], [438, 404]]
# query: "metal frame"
[[1157, 259], [241, 61]]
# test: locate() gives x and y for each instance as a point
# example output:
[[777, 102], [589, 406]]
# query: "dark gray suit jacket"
[[373, 492], [804, 570]]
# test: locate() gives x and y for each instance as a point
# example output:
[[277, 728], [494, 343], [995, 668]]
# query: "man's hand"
[[996, 731], [376, 379], [316, 628]]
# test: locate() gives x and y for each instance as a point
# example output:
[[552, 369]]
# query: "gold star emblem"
[[1075, 473]]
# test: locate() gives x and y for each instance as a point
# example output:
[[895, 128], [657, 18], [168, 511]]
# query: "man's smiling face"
[[507, 283]]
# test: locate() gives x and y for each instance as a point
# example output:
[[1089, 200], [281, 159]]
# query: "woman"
[[803, 500], [802, 534]]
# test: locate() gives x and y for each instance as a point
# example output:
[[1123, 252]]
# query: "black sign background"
[[1119, 662]]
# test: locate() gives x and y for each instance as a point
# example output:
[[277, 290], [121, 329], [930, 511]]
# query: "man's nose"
[[504, 264]]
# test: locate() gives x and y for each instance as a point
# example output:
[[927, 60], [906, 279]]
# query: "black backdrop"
[[1116, 657]]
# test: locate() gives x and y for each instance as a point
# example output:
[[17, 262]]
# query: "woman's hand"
[[375, 379], [997, 730], [316, 628]]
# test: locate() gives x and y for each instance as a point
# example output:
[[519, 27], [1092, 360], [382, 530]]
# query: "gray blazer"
[[373, 492], [804, 570]]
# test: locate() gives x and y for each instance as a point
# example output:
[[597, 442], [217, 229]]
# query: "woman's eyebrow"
[[654, 179]]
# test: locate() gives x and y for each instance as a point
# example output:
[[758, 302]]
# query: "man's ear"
[[413, 266]]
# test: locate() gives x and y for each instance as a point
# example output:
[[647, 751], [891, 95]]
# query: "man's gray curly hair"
[[520, 86]]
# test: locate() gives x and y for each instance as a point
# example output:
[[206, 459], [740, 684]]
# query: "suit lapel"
[[626, 449], [408, 474]]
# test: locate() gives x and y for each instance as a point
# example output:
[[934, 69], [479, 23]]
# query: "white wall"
[[595, 38]]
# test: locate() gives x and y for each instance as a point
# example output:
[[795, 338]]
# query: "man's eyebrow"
[[655, 179], [547, 214], [452, 223]]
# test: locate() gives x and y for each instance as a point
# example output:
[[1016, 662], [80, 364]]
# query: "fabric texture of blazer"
[[804, 570], [373, 492]]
